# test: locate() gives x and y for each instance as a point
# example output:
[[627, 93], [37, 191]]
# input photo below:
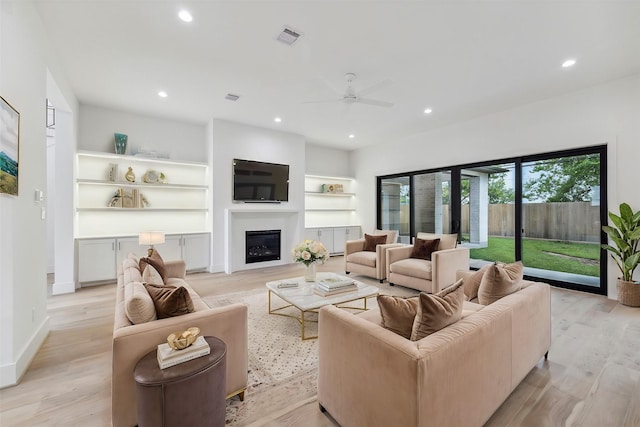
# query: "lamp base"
[[150, 251]]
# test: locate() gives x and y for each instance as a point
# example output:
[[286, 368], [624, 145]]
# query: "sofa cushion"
[[447, 241], [363, 258], [151, 275], [131, 271], [156, 261], [422, 249], [170, 301], [138, 305], [437, 311], [398, 313], [472, 282], [500, 280], [370, 242], [413, 267]]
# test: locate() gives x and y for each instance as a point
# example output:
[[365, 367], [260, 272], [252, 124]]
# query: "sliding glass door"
[[394, 202]]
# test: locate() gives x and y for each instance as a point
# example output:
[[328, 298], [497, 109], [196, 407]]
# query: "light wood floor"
[[592, 377]]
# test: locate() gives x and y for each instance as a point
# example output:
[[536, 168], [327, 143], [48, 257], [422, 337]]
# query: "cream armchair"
[[424, 275], [369, 263]]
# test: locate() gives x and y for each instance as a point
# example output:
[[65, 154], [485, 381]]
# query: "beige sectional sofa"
[[132, 341], [458, 376]]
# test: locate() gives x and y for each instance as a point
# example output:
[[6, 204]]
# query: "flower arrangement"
[[310, 252]]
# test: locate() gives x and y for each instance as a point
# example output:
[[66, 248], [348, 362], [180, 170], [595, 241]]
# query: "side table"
[[188, 394]]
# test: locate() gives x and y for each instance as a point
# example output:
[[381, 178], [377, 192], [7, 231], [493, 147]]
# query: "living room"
[[598, 109]]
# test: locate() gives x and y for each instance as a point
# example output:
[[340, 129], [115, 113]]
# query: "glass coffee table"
[[303, 298]]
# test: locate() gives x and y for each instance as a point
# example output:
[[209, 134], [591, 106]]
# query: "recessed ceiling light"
[[185, 15], [351, 136], [428, 110], [568, 63], [277, 120], [162, 94]]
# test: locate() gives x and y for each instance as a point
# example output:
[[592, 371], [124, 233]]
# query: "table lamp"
[[150, 238]]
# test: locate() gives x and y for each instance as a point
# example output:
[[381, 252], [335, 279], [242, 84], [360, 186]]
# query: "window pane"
[[395, 211], [431, 205]]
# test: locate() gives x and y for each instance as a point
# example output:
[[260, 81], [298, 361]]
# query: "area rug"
[[282, 368]]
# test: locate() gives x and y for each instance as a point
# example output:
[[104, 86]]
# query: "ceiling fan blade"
[[375, 87], [323, 101], [374, 102]]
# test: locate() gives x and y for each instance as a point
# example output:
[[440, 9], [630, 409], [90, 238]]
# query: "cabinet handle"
[[119, 247], [113, 246]]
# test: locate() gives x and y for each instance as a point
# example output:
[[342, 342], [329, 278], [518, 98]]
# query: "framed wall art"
[[9, 148]]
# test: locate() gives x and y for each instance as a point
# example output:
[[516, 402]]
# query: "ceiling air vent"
[[232, 97], [288, 36]]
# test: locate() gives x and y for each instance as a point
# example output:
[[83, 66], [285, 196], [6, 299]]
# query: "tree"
[[567, 179], [499, 193]]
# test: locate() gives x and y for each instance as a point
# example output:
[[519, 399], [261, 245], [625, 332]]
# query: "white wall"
[[608, 113], [234, 140], [25, 57], [327, 161], [183, 141]]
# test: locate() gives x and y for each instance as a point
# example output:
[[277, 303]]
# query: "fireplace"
[[262, 245]]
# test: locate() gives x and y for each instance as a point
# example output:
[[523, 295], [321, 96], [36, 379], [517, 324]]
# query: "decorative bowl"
[[183, 339]]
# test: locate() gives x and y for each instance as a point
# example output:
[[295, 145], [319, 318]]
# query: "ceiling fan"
[[350, 96]]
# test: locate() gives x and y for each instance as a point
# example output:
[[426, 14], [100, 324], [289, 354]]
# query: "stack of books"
[[334, 285], [168, 357]]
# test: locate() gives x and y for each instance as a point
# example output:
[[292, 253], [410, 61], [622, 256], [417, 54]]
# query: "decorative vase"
[[310, 273], [628, 293], [130, 176], [120, 142]]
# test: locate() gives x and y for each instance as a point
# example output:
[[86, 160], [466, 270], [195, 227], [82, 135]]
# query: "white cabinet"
[[109, 205], [333, 238], [98, 259]]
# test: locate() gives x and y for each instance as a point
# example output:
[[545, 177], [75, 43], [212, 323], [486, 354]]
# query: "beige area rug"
[[282, 367]]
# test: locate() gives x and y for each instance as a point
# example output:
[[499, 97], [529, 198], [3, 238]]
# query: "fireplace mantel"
[[239, 220]]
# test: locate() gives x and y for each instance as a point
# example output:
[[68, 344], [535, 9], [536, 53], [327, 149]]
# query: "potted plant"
[[626, 252]]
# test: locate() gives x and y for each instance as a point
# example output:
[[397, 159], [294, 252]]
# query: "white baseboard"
[[10, 374], [63, 288], [216, 268]]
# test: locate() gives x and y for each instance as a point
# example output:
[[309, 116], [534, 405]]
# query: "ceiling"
[[462, 59]]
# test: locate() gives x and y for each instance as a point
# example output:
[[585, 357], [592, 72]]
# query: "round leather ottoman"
[[188, 394]]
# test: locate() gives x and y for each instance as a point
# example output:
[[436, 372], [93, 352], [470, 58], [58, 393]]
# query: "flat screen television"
[[255, 181]]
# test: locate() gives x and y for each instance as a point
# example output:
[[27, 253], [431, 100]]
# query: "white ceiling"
[[463, 59]]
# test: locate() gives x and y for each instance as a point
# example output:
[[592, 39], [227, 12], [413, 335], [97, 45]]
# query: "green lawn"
[[545, 254]]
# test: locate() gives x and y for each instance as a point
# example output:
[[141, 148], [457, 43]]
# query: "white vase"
[[310, 272]]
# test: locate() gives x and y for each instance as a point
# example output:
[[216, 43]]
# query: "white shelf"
[[141, 184], [140, 210], [330, 210], [323, 194], [122, 157], [323, 208]]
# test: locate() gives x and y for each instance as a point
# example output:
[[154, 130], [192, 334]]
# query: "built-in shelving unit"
[[330, 216], [178, 205]]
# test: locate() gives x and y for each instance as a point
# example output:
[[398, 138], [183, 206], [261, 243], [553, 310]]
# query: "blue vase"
[[121, 143]]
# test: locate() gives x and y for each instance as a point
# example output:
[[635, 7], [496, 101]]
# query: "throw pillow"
[[398, 313], [422, 249], [156, 261], [138, 305], [170, 301], [437, 311], [151, 275], [370, 242], [472, 283], [498, 281]]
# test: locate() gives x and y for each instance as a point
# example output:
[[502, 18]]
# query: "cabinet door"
[[311, 234], [339, 238], [325, 235], [127, 245], [171, 249], [96, 260], [353, 233], [195, 251]]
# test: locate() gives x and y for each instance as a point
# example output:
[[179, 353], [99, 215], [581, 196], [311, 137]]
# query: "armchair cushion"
[[499, 281], [422, 249], [437, 311], [412, 267], [156, 261], [170, 301], [447, 241], [398, 313], [363, 258], [370, 242]]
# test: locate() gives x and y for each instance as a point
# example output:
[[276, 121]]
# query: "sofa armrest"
[[351, 246], [343, 368], [445, 265], [130, 343], [381, 256], [175, 268]]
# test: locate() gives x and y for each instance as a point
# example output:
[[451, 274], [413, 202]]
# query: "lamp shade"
[[150, 237]]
